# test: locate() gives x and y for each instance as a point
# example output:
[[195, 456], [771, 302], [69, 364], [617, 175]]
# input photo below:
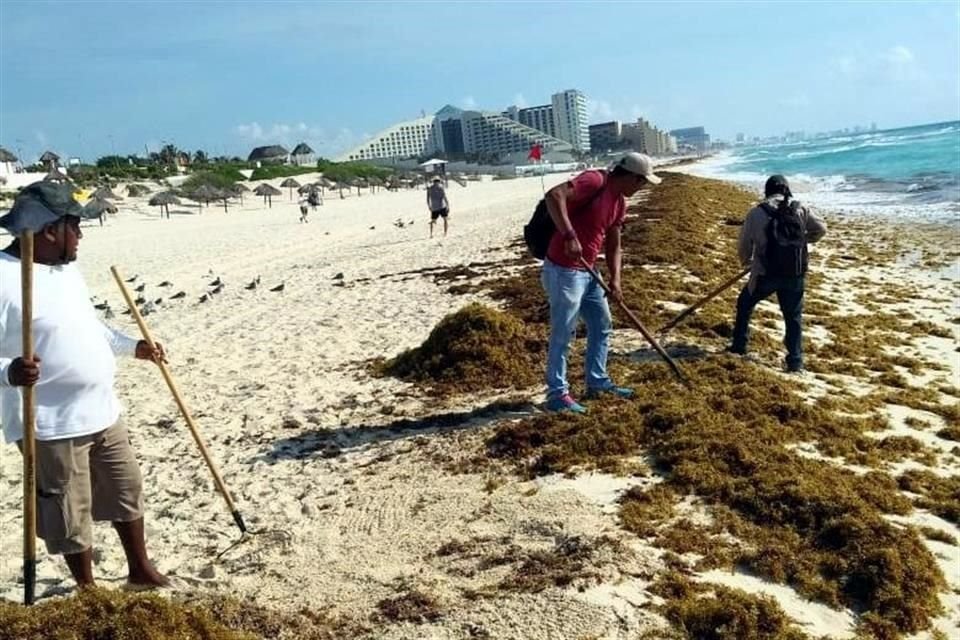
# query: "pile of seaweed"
[[99, 614], [749, 444], [476, 348], [808, 523]]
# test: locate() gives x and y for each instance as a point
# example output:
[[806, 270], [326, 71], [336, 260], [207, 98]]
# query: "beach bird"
[[215, 283], [140, 300], [217, 289], [158, 301], [253, 284], [140, 288], [204, 298], [133, 279], [178, 295], [165, 283], [339, 276], [278, 288], [103, 306]]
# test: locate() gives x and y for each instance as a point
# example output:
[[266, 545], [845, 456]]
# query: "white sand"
[[277, 381]]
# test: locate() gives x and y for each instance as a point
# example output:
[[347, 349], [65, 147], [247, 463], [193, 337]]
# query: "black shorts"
[[442, 213]]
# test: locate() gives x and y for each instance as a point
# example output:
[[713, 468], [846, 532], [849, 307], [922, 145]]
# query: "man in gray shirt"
[[773, 241], [438, 204]]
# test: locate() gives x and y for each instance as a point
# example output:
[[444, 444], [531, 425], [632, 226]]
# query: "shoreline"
[[313, 447]]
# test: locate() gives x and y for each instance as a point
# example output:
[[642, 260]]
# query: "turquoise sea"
[[911, 171]]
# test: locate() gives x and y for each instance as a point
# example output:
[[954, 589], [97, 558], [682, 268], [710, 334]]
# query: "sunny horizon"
[[228, 77]]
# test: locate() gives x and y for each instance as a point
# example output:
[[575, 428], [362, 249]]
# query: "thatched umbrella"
[[308, 188], [359, 183], [374, 182], [105, 193], [267, 191], [163, 200], [97, 207], [136, 190], [206, 194], [238, 190], [291, 184]]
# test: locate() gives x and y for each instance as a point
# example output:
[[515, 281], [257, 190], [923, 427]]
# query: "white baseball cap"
[[640, 164]]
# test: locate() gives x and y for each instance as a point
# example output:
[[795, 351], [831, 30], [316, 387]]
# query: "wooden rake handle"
[[218, 481], [707, 298], [639, 325], [29, 426]]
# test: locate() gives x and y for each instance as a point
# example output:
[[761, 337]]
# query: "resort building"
[[8, 163], [606, 136], [271, 154], [570, 118], [695, 137], [303, 156], [409, 139]]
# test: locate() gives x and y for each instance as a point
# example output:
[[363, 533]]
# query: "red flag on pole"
[[535, 152]]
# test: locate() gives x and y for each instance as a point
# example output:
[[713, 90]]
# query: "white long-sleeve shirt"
[[75, 394]]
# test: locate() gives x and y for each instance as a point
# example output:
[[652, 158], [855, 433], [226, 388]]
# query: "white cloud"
[[899, 55], [599, 110], [468, 103], [324, 143], [897, 63]]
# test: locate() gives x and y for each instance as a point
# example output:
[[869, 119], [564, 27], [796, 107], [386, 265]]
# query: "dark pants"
[[790, 296]]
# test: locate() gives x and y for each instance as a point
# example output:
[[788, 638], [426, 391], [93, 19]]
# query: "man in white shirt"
[[86, 468]]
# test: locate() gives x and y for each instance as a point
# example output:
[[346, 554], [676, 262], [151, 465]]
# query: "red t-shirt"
[[592, 222]]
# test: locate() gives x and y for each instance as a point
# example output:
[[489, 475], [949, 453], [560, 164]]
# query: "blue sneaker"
[[565, 403], [620, 392]]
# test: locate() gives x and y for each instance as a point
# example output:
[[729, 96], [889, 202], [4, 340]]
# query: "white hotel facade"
[[560, 126]]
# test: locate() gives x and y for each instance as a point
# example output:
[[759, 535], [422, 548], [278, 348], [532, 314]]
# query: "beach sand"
[[355, 506]]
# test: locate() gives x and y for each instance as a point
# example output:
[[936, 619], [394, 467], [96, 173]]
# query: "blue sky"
[[85, 78]]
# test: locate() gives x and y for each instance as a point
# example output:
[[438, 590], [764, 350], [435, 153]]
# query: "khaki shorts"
[[79, 480]]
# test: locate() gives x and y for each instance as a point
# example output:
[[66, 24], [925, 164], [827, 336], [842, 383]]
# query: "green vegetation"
[[222, 179]]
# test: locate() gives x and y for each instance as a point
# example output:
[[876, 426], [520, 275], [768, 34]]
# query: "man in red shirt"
[[588, 213]]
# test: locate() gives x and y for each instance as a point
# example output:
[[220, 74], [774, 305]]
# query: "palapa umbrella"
[[136, 190], [359, 183], [206, 193], [374, 182], [104, 193], [96, 207], [267, 191], [163, 200], [308, 189], [291, 184], [239, 189]]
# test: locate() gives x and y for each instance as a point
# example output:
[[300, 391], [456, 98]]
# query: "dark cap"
[[777, 184], [40, 204]]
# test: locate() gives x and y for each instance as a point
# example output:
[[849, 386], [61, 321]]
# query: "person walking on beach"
[[773, 242], [588, 213], [86, 468], [304, 211], [438, 204]]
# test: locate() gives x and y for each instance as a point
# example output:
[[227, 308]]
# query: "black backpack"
[[539, 231], [786, 251]]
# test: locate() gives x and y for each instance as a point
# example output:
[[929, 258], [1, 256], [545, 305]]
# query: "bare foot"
[[148, 578]]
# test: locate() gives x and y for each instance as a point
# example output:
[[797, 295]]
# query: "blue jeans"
[[573, 293], [790, 296]]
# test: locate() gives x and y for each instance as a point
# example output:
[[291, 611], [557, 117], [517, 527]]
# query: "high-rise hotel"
[[558, 126]]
